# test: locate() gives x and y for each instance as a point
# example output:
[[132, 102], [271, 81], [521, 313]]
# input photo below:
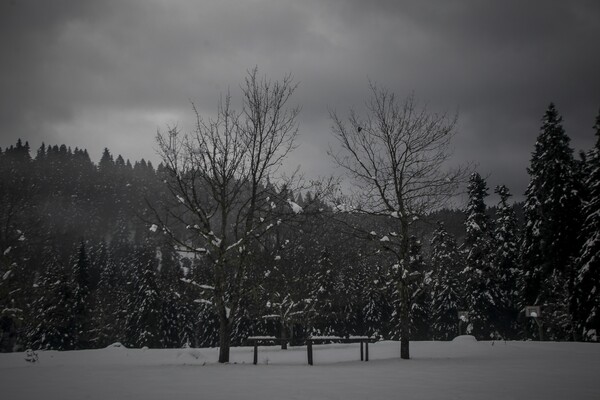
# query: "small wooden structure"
[[263, 341], [363, 340]]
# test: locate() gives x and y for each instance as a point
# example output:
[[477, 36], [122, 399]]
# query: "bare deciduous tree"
[[396, 155], [218, 178]]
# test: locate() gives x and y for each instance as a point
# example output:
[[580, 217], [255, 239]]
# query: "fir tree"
[[481, 284], [588, 263], [123, 269], [376, 311], [552, 221], [107, 319], [419, 281], [178, 321], [323, 314], [447, 297], [81, 302], [421, 293], [106, 161], [145, 310], [505, 261], [51, 323]]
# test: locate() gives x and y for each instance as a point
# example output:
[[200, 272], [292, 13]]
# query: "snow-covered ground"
[[462, 369]]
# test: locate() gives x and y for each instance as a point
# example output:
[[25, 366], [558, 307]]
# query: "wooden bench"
[[337, 339], [364, 341], [263, 341]]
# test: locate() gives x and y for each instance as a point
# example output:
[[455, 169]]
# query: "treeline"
[[83, 263]]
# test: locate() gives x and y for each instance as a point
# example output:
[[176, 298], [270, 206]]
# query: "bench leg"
[[255, 353], [367, 351], [309, 351], [361, 350]]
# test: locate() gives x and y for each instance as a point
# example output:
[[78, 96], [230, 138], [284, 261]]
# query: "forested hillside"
[[87, 258]]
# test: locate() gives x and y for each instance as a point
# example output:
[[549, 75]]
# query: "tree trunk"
[[224, 339], [404, 322], [283, 336]]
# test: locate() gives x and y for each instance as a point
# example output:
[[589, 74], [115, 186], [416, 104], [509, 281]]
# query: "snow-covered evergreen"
[[81, 304], [552, 222], [448, 291], [79, 268], [107, 320], [505, 262], [587, 280], [51, 324], [420, 312], [323, 318], [145, 308], [419, 300], [481, 288]]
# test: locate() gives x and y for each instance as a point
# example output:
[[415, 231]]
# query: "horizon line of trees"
[[84, 261]]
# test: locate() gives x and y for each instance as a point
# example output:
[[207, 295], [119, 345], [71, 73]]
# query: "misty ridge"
[[216, 244]]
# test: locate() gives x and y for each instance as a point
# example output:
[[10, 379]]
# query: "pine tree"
[[505, 261], [106, 162], [376, 311], [556, 316], [145, 310], [51, 323], [588, 263], [421, 293], [18, 227], [481, 284], [348, 304], [178, 319], [448, 295], [121, 269], [107, 319], [81, 301], [419, 282], [323, 294], [552, 222]]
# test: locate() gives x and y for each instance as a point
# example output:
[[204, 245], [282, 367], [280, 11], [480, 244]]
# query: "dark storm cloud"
[[44, 76], [501, 63], [108, 73]]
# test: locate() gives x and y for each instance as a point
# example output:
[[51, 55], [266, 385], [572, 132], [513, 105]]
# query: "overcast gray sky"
[[97, 74]]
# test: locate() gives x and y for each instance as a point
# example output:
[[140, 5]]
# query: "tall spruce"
[[375, 311], [106, 318], [323, 294], [421, 293], [419, 299], [552, 223], [81, 311], [505, 261], [588, 264], [447, 296], [145, 309], [481, 295], [51, 321]]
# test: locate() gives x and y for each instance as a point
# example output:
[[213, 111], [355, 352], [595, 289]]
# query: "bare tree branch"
[[217, 178], [397, 156]]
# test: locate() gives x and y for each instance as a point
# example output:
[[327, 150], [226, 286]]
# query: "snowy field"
[[462, 369]]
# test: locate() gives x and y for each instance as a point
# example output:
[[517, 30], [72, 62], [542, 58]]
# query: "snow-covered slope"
[[462, 369]]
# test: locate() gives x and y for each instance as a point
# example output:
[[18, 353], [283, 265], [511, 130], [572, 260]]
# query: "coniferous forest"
[[89, 256]]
